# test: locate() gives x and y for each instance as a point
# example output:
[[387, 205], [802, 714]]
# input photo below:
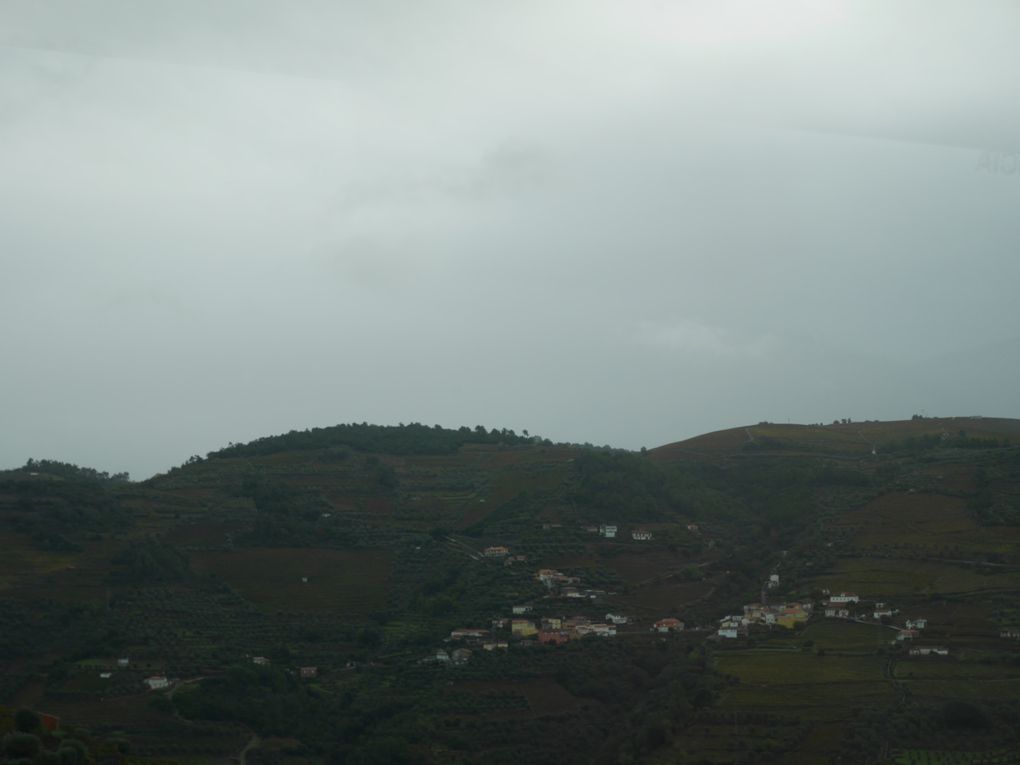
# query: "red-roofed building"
[[553, 637]]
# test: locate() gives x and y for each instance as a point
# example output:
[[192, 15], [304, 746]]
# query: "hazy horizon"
[[608, 223]]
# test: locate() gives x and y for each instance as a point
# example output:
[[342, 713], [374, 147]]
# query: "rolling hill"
[[356, 552]]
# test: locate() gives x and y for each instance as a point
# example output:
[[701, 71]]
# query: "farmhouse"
[[309, 672], [773, 581], [551, 578], [916, 624], [518, 610], [729, 628], [460, 656], [616, 619], [669, 624], [608, 530], [553, 637], [693, 527], [523, 628], [157, 682], [122, 663], [500, 624], [552, 623], [497, 645], [1010, 634], [844, 597], [576, 621], [604, 630], [512, 559], [442, 656], [785, 614], [929, 651], [469, 633], [837, 612], [496, 552], [754, 612], [880, 612], [640, 535], [260, 660], [907, 634]]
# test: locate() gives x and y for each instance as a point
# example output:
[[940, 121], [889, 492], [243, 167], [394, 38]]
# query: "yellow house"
[[523, 628]]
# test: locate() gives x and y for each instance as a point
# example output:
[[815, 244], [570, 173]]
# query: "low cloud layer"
[[622, 223]]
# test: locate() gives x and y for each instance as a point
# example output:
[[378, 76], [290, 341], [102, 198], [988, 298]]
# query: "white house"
[[836, 612], [616, 619], [880, 612], [916, 624], [929, 651], [518, 610], [157, 682], [469, 633], [773, 581], [844, 597], [641, 535], [608, 530]]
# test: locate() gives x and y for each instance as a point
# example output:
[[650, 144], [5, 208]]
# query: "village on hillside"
[[545, 622]]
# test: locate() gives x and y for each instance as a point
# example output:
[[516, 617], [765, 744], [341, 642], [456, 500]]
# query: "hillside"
[[357, 552]]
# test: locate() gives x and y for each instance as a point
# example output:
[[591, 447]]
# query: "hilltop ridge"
[[420, 594]]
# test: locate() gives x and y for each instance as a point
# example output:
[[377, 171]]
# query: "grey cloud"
[[605, 222]]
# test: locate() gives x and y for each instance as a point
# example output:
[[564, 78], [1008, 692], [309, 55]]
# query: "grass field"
[[943, 667], [542, 697], [781, 668], [843, 635], [820, 688], [937, 757], [886, 577], [347, 582]]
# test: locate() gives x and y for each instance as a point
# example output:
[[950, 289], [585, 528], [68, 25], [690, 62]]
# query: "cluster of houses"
[[157, 682], [551, 629], [610, 531], [836, 606], [565, 586], [502, 552], [786, 615], [457, 657]]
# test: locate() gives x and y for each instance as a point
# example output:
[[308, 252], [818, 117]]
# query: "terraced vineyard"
[[303, 598]]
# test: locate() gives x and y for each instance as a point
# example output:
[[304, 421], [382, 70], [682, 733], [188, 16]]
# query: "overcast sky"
[[619, 222]]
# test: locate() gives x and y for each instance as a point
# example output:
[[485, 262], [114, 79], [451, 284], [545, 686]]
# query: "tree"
[[19, 744], [26, 721]]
